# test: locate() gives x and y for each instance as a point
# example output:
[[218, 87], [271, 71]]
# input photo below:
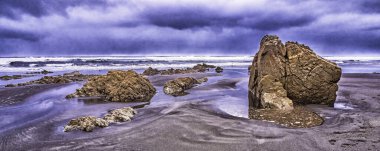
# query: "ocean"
[[9, 65]]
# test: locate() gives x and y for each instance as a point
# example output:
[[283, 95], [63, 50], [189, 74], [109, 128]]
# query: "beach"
[[213, 116]]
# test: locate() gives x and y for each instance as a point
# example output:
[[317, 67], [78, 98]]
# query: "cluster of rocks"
[[61, 79], [197, 68], [283, 75], [89, 123], [119, 86], [178, 86]]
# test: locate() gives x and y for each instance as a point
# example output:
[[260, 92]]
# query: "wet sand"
[[211, 117]]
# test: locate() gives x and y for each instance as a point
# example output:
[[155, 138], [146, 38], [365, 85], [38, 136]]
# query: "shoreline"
[[197, 121]]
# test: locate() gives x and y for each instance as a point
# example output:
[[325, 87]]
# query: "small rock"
[[86, 123], [120, 115], [89, 123]]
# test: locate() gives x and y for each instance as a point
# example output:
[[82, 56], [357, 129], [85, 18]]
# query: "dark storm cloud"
[[12, 34], [15, 8], [190, 26], [185, 18]]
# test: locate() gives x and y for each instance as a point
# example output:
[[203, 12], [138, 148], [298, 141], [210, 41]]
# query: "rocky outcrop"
[[218, 69], [197, 68], [89, 123], [118, 86], [292, 71], [178, 86]]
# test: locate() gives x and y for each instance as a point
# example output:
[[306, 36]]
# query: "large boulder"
[[178, 86], [118, 86], [292, 71]]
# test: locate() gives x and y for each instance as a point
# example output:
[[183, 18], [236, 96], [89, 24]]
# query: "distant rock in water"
[[281, 73], [178, 86], [197, 68], [42, 72], [150, 71], [12, 77], [89, 123], [218, 69], [66, 78], [118, 86]]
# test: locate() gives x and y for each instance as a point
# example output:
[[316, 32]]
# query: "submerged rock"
[[118, 86], [86, 123], [218, 69], [178, 86], [292, 71]]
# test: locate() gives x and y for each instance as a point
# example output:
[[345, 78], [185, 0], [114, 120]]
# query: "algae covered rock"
[[178, 86], [118, 86], [294, 71], [86, 123]]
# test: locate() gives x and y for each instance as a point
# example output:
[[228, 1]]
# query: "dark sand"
[[15, 95], [199, 121]]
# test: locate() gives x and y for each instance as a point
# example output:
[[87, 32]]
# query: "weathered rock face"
[[273, 94], [292, 71], [178, 86], [119, 86]]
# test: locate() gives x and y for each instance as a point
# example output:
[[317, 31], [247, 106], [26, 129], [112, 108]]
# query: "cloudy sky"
[[163, 27]]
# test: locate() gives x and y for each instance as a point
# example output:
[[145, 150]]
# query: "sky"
[[190, 27]]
